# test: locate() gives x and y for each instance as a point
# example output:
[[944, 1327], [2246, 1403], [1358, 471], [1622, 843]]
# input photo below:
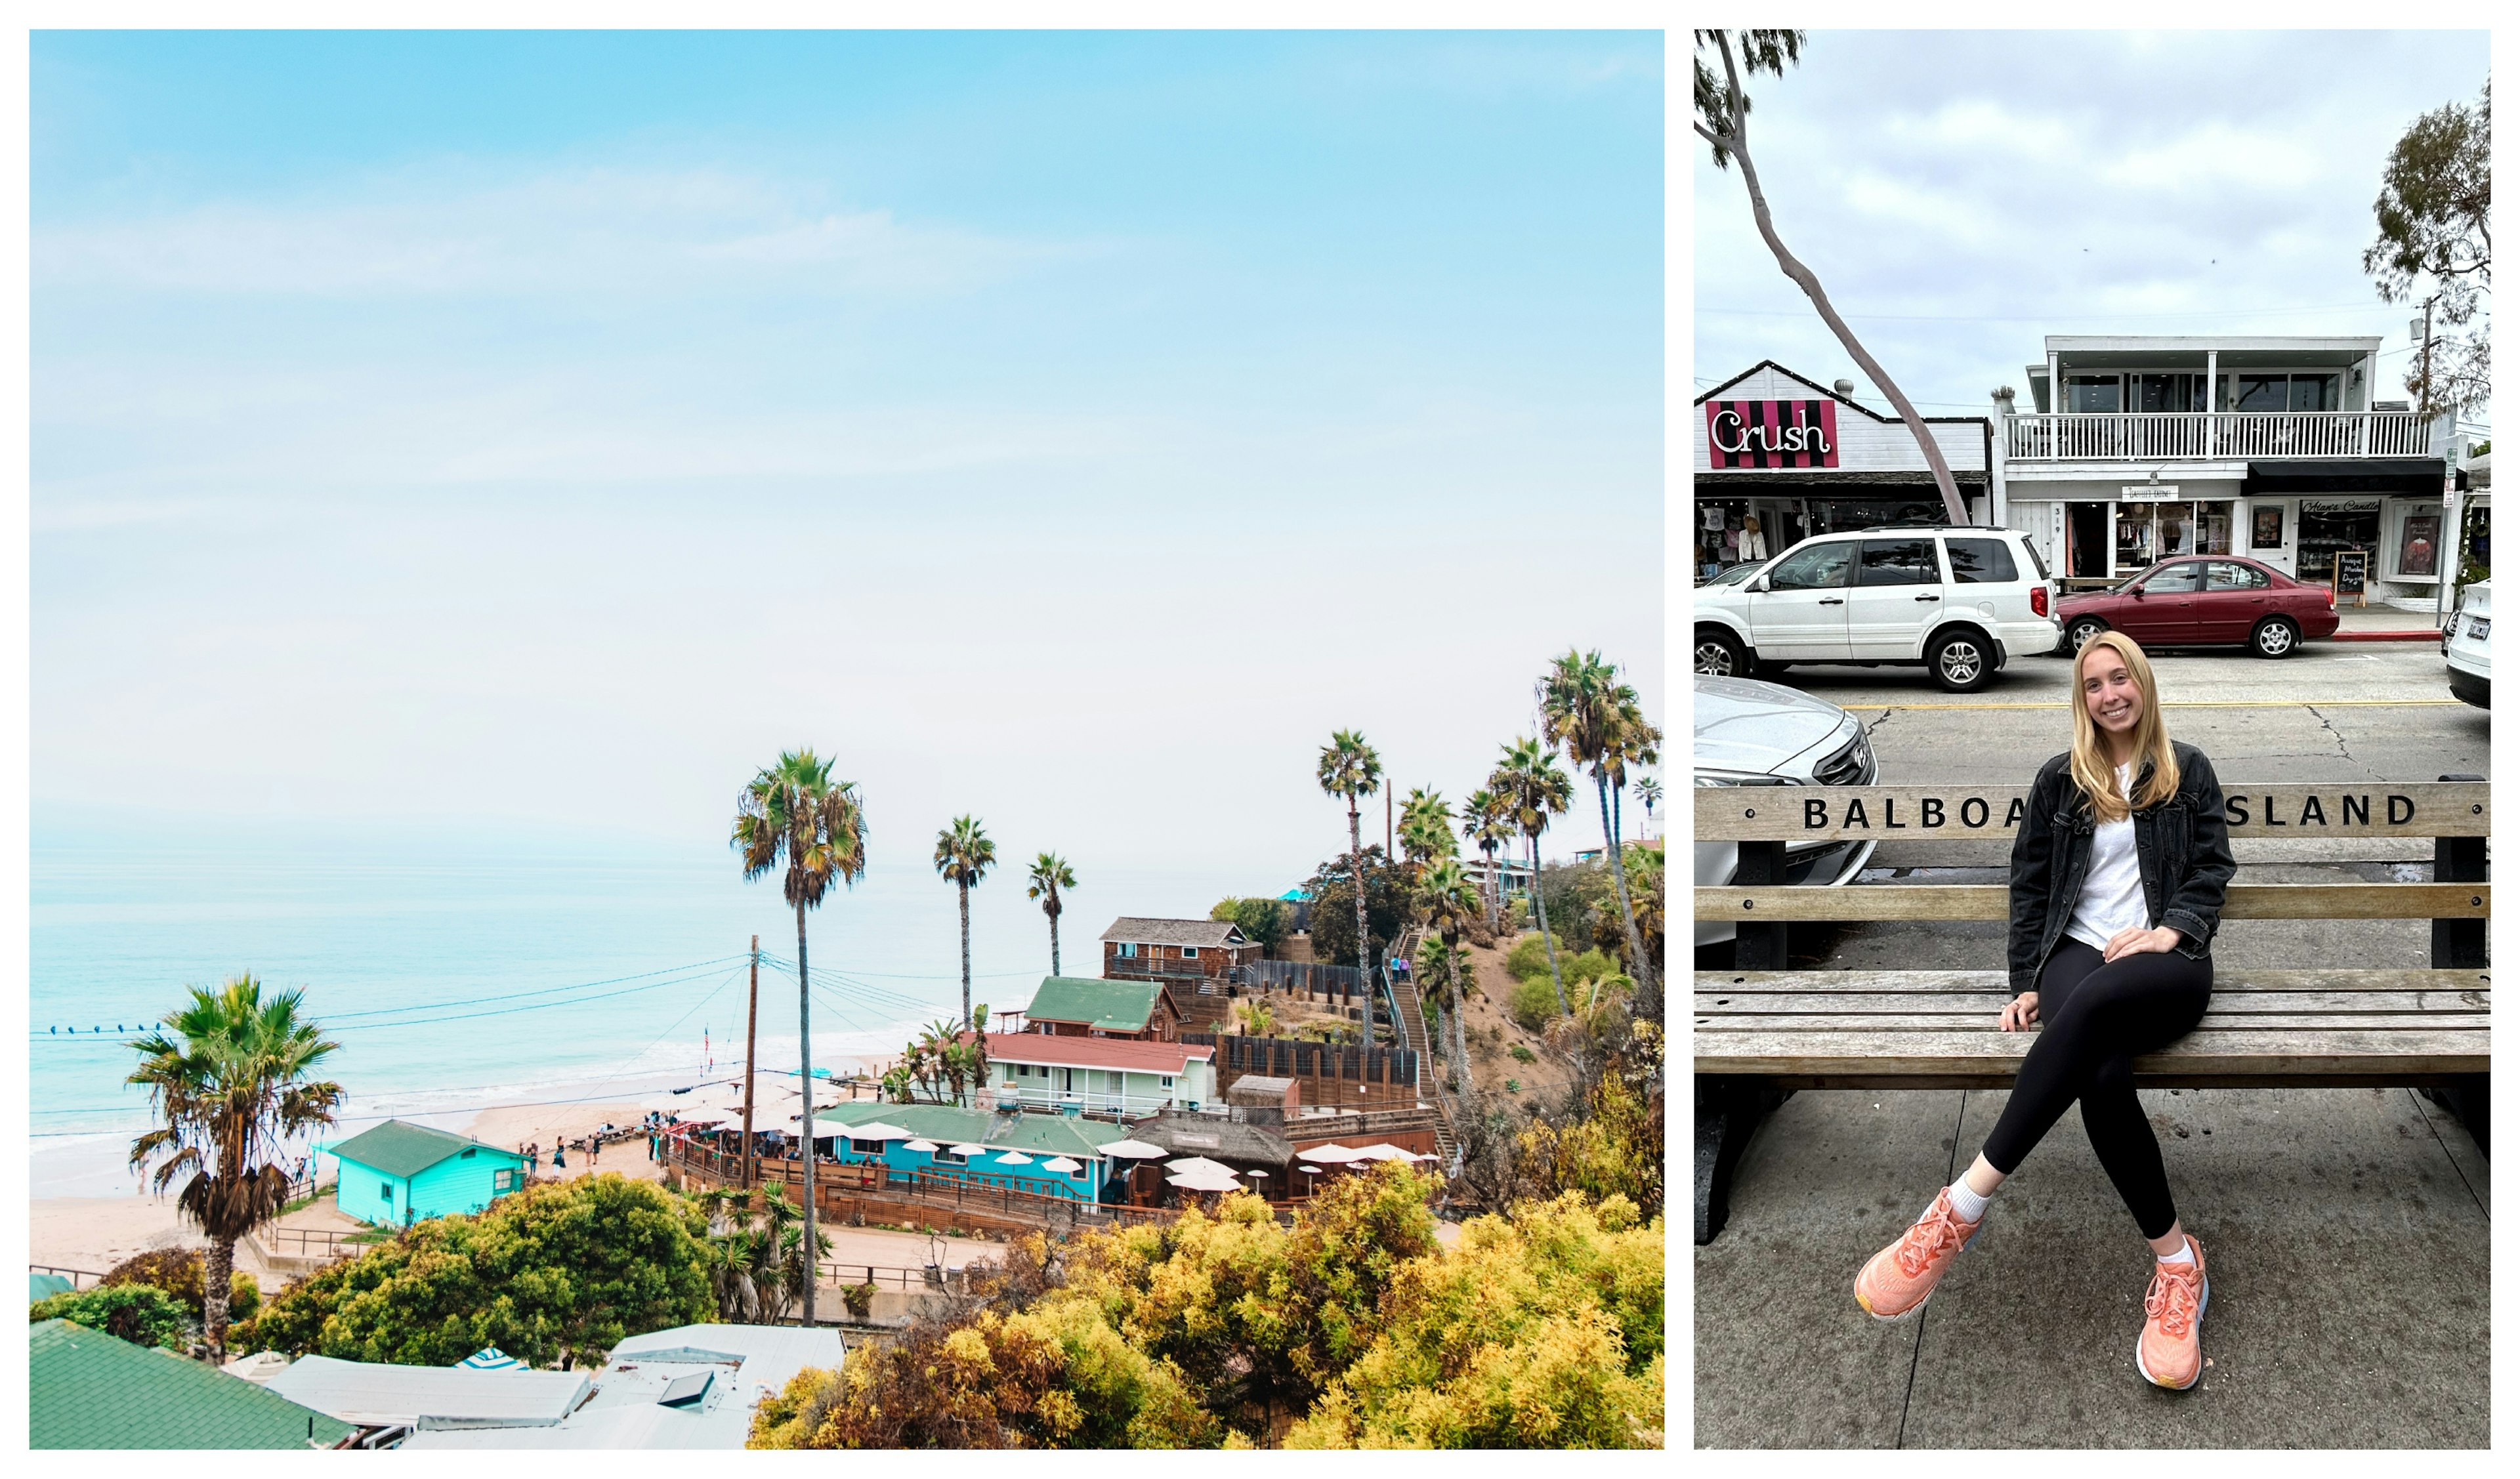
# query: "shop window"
[[1981, 562], [2134, 535], [2419, 543], [1898, 561], [2330, 524]]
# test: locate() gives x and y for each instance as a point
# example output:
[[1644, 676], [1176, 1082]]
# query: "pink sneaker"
[[1900, 1277], [2169, 1351]]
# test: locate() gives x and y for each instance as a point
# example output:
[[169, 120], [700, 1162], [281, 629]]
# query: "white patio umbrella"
[[876, 1130], [1332, 1154], [924, 1148], [1063, 1164], [1206, 1182], [1197, 1165], [1013, 1158], [966, 1151], [1129, 1150], [1381, 1153], [1263, 1175]]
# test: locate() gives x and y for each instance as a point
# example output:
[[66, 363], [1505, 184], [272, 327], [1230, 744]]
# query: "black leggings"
[[2097, 1019]]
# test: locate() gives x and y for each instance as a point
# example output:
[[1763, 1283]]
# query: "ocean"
[[456, 975]]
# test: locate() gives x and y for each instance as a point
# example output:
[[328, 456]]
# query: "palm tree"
[[1488, 827], [1350, 768], [1535, 789], [963, 857], [1426, 827], [1649, 792], [1584, 708], [794, 810], [1449, 902], [227, 1078], [1050, 875]]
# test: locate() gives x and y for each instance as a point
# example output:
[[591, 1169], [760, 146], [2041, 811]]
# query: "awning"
[[2414, 476]]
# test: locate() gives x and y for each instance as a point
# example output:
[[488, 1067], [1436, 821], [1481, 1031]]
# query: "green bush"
[[1523, 1054], [1530, 957], [142, 1314], [178, 1272], [1535, 1003]]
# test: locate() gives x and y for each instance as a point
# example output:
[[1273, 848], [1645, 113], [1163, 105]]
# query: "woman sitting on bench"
[[2117, 872]]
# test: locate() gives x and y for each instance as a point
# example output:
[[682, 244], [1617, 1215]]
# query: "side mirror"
[[2138, 591], [1758, 585]]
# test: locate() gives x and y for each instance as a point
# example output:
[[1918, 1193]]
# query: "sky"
[[465, 435], [1962, 195]]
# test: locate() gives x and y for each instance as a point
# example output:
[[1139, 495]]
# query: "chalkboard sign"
[[2353, 567]]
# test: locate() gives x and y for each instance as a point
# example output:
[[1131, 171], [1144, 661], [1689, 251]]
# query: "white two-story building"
[[2137, 448]]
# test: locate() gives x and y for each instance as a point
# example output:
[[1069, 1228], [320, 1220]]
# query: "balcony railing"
[[2149, 436]]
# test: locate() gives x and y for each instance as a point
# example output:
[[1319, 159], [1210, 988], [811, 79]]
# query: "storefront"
[[1778, 458]]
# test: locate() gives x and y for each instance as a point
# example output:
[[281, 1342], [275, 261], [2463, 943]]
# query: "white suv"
[[2464, 646], [1961, 600]]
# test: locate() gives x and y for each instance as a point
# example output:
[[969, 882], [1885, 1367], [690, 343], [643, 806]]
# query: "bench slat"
[[2240, 1056], [2248, 979], [1711, 1027], [1869, 901], [1979, 1004], [1783, 814]]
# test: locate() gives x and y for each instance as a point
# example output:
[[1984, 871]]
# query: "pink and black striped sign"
[[1772, 434]]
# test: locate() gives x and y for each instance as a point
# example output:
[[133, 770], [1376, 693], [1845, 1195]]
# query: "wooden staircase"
[[1411, 1022]]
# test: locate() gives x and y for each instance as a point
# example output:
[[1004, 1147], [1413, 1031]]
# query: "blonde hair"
[[2092, 771]]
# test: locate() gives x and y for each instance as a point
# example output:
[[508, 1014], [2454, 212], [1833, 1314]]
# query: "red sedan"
[[2205, 601]]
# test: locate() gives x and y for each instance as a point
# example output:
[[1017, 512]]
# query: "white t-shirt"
[[2113, 887]]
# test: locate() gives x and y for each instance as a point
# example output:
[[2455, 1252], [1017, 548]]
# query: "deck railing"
[[2143, 436]]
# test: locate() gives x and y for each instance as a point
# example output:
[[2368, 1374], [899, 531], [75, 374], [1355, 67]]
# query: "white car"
[[1959, 600], [1757, 734], [2463, 644]]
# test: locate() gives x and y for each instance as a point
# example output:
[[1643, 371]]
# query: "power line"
[[2035, 318]]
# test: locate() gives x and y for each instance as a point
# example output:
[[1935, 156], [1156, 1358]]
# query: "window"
[[2093, 392], [865, 1146], [1981, 562], [2170, 393], [2173, 581], [2259, 393], [467, 1155], [1898, 561], [1189, 952], [388, 1193], [1167, 1082], [2312, 392], [1822, 568], [2231, 576], [945, 1156], [1128, 950]]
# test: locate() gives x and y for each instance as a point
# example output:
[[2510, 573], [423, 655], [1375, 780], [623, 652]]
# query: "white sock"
[[1966, 1204], [2185, 1255]]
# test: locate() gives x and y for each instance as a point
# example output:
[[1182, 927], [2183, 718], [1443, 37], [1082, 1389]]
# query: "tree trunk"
[[218, 1267], [1495, 890], [1540, 906], [963, 885], [1737, 145], [805, 1074], [1356, 856], [1461, 1035], [1647, 977], [1053, 931]]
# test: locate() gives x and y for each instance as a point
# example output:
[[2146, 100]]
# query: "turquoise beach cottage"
[[399, 1173]]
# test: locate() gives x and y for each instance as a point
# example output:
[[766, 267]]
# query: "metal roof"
[[951, 1125], [1097, 1053], [1111, 1006], [377, 1394], [87, 1390], [729, 1367], [398, 1147]]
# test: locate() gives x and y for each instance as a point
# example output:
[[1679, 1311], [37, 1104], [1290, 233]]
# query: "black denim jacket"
[[2182, 847]]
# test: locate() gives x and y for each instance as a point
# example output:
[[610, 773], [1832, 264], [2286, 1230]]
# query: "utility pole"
[[751, 1021], [1386, 827], [2450, 546]]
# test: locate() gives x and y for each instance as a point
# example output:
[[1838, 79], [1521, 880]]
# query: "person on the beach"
[[595, 1150], [2118, 874], [559, 1155]]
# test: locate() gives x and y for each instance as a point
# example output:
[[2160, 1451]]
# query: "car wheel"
[[1720, 656], [2275, 636], [2083, 629], [1962, 662]]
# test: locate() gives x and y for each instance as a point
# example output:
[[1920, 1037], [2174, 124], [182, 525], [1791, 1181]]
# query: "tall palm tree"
[[1535, 789], [796, 812], [227, 1076], [1426, 827], [1450, 902], [963, 857], [1585, 710], [1649, 792], [1488, 827], [1350, 768], [1050, 875]]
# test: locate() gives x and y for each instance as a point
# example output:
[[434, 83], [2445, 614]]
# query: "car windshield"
[[1737, 573]]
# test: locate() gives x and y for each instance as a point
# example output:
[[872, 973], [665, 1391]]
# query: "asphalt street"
[[2348, 1228]]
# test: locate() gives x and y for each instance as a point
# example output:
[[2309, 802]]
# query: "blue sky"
[[1962, 195], [538, 431]]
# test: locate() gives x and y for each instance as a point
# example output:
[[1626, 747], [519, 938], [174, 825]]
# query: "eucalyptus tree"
[[1350, 768], [228, 1076], [1535, 789], [794, 812], [1049, 877], [963, 857]]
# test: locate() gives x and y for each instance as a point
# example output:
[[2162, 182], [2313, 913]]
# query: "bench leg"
[[1728, 1112], [2471, 1100]]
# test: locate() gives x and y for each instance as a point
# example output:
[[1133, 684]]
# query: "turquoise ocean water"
[[458, 975]]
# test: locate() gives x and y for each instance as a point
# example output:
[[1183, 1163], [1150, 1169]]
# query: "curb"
[[2425, 635]]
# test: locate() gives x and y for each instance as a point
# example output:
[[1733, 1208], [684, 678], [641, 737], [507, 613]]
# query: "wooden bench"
[[1762, 1031]]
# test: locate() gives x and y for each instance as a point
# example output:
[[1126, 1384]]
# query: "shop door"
[[2164, 614], [2087, 541], [1898, 591], [1801, 616]]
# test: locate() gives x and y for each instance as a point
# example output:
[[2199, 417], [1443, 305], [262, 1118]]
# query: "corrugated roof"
[[742, 1362], [87, 1390], [1111, 1006], [1217, 932], [377, 1394], [1095, 1052], [398, 1147], [949, 1125]]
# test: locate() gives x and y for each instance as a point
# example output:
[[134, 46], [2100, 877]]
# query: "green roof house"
[[398, 1174], [1081, 1006], [87, 1390]]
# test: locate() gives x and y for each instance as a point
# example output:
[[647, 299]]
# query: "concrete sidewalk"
[[2345, 1233]]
